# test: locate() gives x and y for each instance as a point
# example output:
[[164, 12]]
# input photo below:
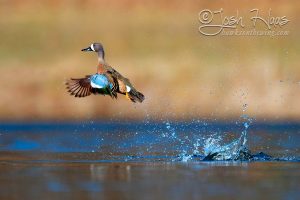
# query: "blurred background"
[[156, 44]]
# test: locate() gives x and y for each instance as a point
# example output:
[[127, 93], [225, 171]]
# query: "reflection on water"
[[149, 160], [160, 180], [117, 172]]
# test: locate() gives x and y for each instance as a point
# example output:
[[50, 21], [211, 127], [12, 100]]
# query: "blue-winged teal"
[[107, 81]]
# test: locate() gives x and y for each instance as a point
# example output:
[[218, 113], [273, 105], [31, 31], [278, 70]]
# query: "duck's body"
[[107, 81]]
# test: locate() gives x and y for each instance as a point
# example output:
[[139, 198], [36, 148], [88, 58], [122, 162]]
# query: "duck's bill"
[[87, 49]]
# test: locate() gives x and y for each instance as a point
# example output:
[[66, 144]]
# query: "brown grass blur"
[[156, 44]]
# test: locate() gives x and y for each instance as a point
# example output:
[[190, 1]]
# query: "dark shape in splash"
[[262, 156], [211, 157], [244, 154]]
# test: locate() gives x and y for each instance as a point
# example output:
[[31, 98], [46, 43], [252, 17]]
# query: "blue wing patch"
[[100, 81]]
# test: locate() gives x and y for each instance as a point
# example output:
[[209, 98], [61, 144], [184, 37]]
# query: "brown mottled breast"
[[101, 69]]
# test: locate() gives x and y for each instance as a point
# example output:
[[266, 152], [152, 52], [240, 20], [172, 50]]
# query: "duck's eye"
[[92, 47]]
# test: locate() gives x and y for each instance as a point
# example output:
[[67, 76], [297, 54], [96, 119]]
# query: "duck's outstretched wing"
[[93, 84], [80, 87]]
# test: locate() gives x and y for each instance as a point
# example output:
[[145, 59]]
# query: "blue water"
[[154, 141], [244, 159]]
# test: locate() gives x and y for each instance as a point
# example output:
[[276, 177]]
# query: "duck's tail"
[[135, 96]]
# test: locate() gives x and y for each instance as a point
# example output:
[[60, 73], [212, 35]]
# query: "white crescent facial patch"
[[92, 47]]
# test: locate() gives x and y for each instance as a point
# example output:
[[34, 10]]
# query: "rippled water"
[[152, 160]]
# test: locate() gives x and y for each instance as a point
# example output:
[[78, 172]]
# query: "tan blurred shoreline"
[[183, 74]]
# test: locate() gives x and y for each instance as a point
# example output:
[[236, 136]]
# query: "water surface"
[[149, 160]]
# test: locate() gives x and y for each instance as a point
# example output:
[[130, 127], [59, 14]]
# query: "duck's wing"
[[114, 85], [104, 84], [80, 87], [122, 81], [124, 85]]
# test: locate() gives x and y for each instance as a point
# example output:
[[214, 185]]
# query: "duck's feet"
[[127, 96]]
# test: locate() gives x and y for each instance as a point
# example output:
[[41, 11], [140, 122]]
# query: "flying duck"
[[107, 81]]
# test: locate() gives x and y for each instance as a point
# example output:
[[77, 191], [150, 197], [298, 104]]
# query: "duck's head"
[[96, 47]]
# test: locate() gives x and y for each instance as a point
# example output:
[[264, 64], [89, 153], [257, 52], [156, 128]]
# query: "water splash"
[[195, 140], [214, 144]]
